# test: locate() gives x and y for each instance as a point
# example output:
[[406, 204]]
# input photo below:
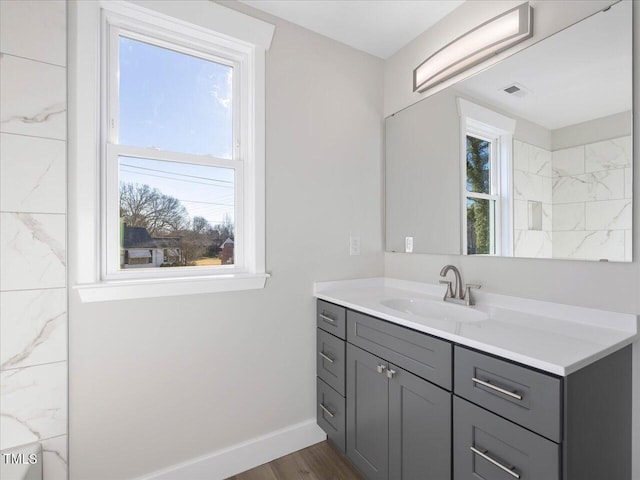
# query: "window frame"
[[215, 33], [480, 122]]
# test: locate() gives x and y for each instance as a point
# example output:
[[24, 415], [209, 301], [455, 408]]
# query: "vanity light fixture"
[[490, 38]]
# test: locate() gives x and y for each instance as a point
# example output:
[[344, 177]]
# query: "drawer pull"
[[497, 389], [326, 318], [381, 368], [326, 357], [327, 411], [495, 462], [390, 373]]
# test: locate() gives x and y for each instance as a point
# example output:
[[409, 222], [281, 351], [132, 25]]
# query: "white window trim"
[[86, 210], [482, 122]]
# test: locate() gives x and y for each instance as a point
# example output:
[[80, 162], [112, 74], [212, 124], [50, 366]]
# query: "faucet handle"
[[467, 292], [449, 292]]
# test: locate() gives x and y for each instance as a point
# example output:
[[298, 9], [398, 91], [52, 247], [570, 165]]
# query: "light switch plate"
[[408, 244], [354, 245]]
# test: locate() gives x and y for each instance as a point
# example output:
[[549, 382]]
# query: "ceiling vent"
[[516, 90]]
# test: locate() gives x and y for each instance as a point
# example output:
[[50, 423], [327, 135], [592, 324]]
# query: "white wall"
[[610, 286], [156, 382], [33, 305]]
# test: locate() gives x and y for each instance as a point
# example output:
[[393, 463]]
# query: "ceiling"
[[378, 27]]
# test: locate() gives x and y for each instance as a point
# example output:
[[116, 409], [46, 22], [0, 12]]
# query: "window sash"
[[111, 216], [112, 150]]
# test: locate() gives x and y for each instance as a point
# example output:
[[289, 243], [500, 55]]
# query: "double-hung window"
[[180, 166], [487, 201]]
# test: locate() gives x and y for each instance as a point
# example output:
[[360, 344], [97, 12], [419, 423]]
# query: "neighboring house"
[[141, 250], [226, 252]]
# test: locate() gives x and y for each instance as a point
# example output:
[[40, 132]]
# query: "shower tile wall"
[[592, 201], [532, 181], [33, 317]]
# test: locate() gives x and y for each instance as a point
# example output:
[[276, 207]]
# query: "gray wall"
[[610, 286], [160, 381]]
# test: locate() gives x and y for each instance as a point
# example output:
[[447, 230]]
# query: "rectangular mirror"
[[531, 157]]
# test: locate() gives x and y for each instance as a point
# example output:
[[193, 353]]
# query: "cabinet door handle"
[[390, 373], [497, 389], [494, 462], [326, 318], [381, 368], [327, 411], [326, 357]]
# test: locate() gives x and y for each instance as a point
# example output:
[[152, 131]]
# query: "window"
[[180, 167], [486, 166]]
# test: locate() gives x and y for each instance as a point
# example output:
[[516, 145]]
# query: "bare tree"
[[201, 225], [225, 228], [160, 214]]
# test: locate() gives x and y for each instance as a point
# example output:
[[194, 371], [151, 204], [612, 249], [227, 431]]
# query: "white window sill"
[[167, 287]]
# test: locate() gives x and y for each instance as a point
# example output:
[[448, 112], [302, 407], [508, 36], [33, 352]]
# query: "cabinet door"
[[367, 413], [419, 428]]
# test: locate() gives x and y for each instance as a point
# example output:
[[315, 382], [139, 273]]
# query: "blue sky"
[[177, 102]]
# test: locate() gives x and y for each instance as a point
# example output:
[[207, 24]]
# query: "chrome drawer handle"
[[326, 318], [326, 357], [381, 368], [495, 462], [390, 373], [497, 389], [327, 411]]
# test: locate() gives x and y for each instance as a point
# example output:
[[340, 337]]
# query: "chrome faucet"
[[455, 293]]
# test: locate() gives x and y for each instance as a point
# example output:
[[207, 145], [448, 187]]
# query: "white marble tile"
[[33, 404], [568, 161], [605, 185], [540, 161], [608, 215], [32, 98], [547, 217], [531, 244], [34, 29], [32, 174], [589, 245], [628, 245], [32, 251], [608, 154], [568, 216], [628, 182], [54, 458], [528, 186], [520, 215], [33, 327], [569, 189], [521, 156]]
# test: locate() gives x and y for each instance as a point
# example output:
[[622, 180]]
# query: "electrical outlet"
[[354, 245], [408, 244]]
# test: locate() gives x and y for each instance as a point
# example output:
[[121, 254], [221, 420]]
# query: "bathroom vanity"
[[411, 387]]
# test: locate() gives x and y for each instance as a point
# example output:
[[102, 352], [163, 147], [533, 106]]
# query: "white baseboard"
[[244, 456]]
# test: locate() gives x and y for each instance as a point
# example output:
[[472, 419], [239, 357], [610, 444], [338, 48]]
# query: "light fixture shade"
[[490, 38]]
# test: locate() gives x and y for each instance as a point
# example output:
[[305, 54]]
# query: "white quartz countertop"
[[556, 338]]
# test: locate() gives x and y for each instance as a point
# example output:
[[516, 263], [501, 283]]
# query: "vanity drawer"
[[529, 398], [331, 318], [488, 447], [331, 360], [419, 353], [331, 414]]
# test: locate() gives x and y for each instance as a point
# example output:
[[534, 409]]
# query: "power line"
[[208, 203], [176, 179], [175, 173]]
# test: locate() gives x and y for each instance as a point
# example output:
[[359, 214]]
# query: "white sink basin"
[[433, 309]]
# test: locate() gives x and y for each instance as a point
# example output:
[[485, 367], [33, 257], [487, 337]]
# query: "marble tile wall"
[[532, 182], [33, 297], [592, 201]]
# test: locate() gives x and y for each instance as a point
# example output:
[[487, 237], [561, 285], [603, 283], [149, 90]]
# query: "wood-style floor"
[[317, 462]]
